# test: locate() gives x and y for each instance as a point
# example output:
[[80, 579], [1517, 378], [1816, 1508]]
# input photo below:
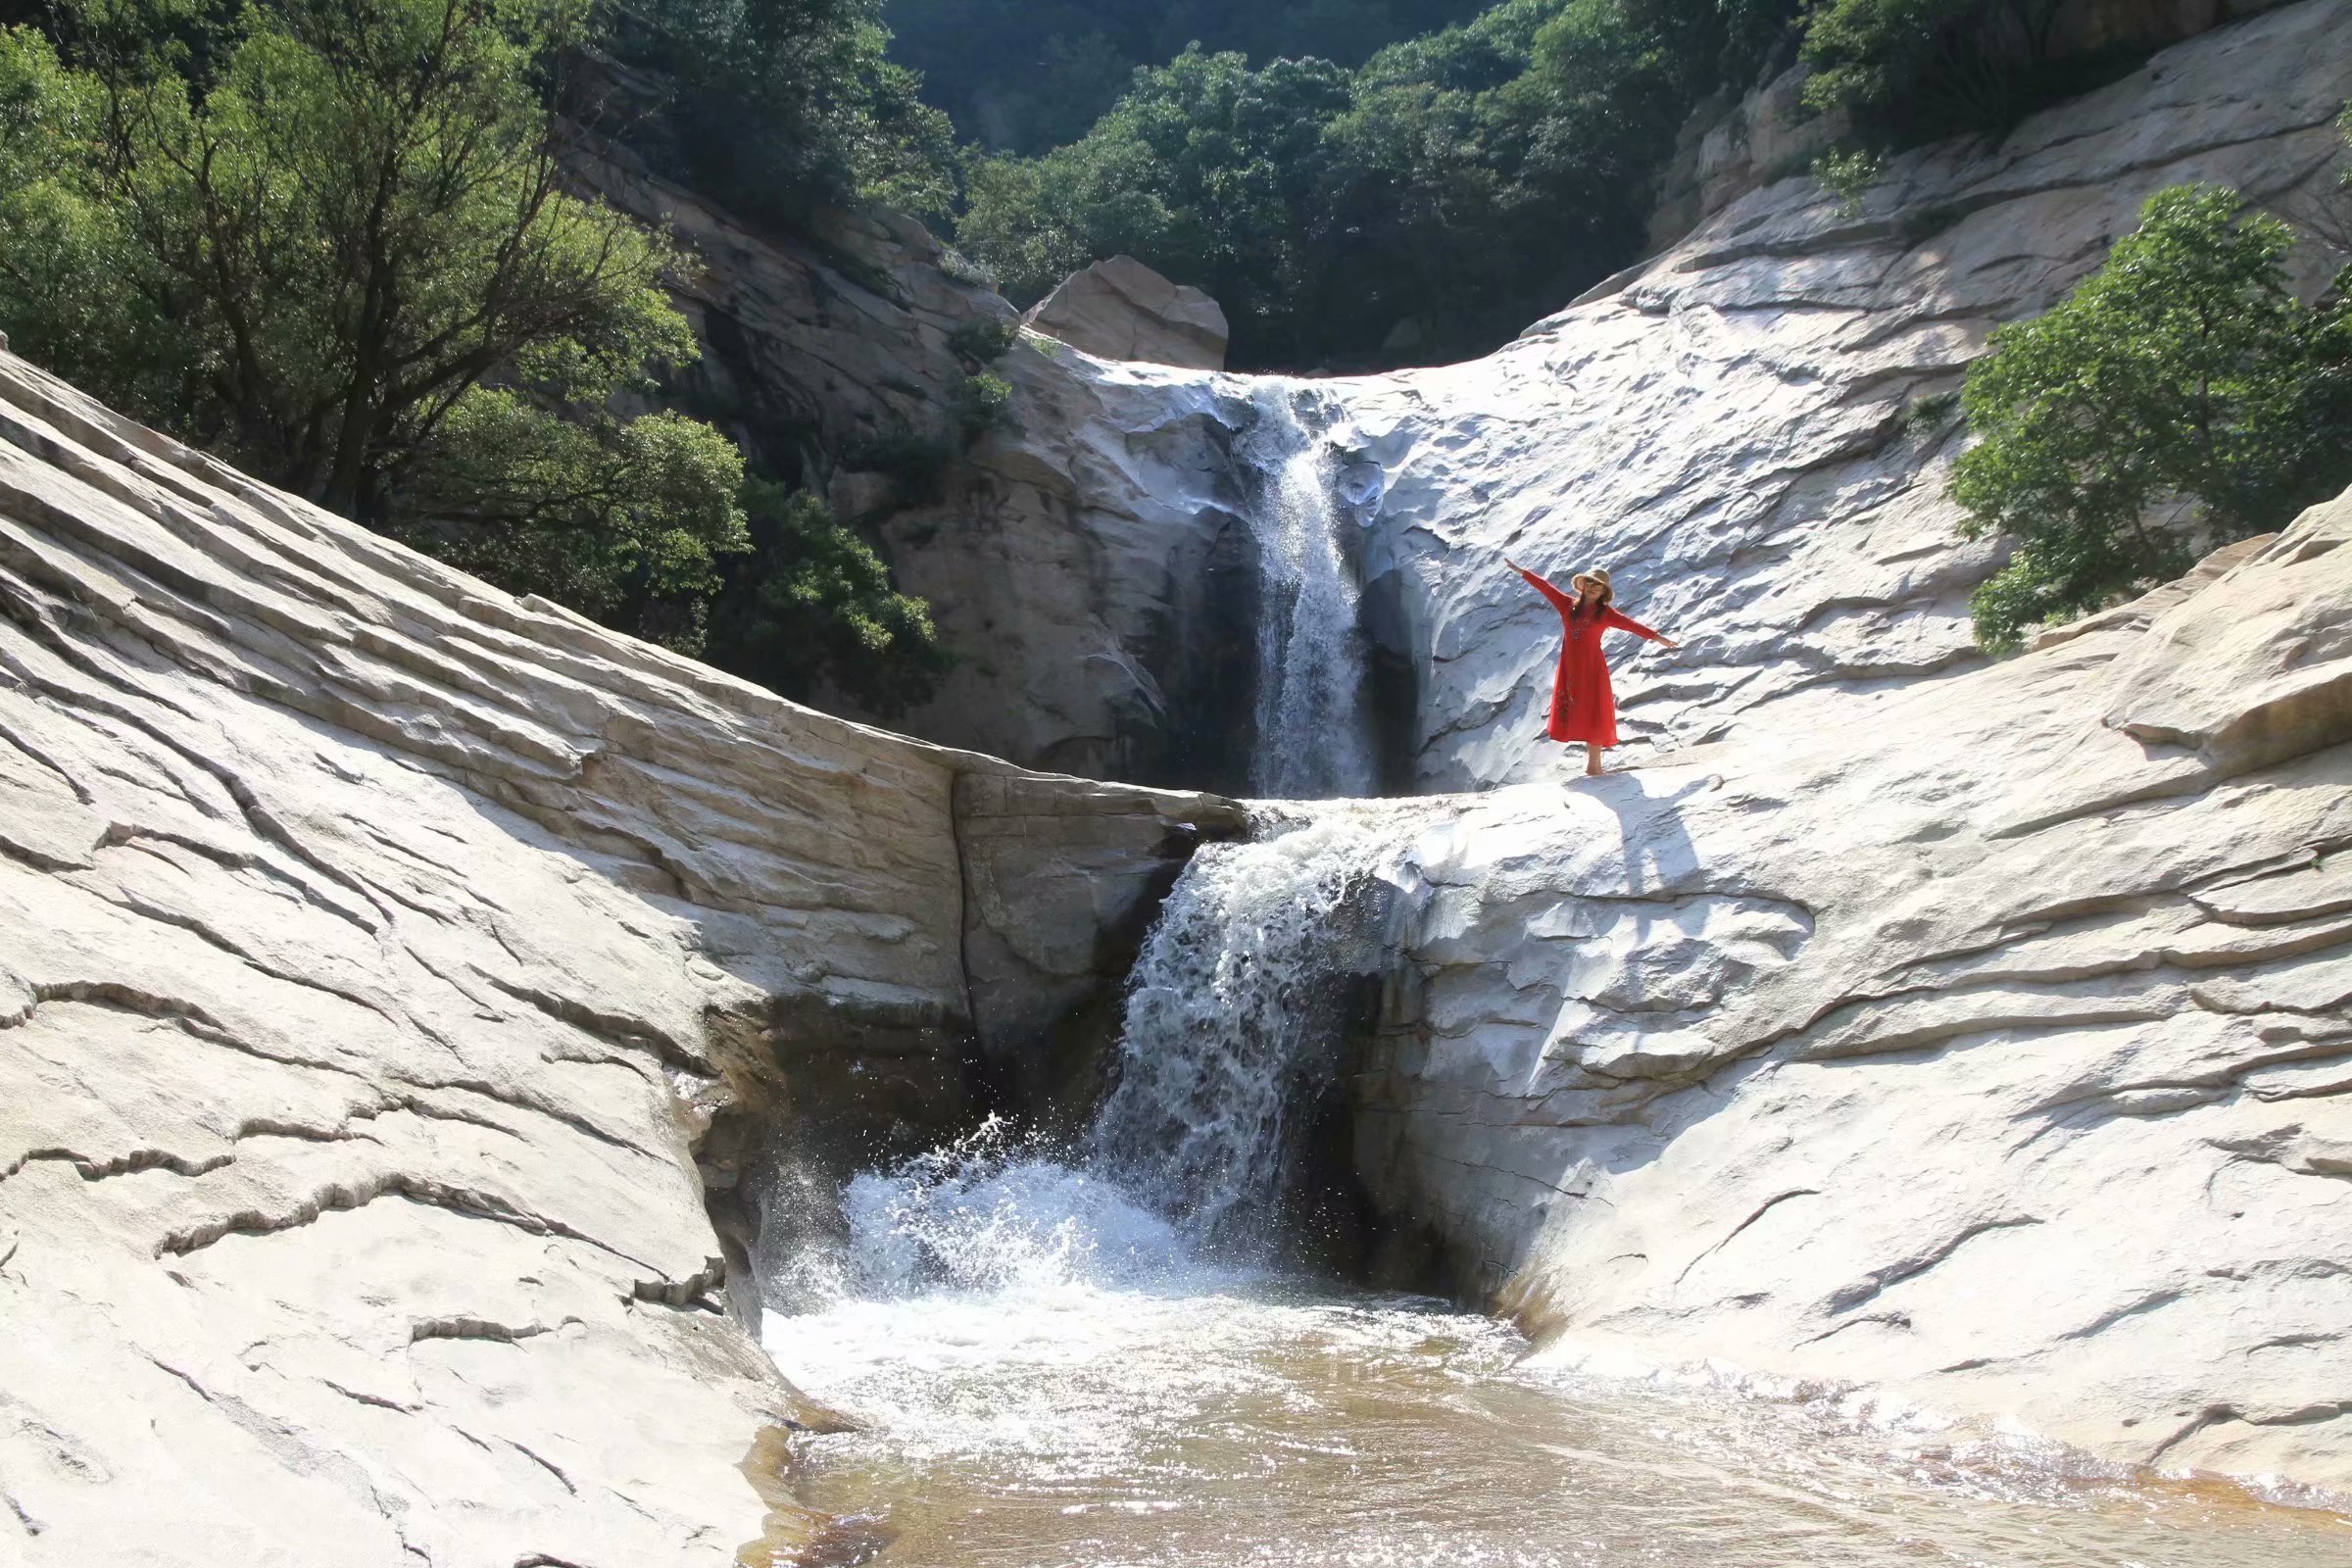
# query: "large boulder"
[[1122, 310], [398, 986]]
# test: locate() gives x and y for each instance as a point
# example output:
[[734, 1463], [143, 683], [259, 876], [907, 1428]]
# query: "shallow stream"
[[1085, 1395]]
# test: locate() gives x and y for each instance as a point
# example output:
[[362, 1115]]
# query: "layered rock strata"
[[820, 347], [377, 952], [1994, 1054], [1728, 149], [1755, 430]]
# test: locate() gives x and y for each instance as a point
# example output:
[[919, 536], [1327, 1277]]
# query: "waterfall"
[[1312, 739], [1232, 1033], [1233, 1023]]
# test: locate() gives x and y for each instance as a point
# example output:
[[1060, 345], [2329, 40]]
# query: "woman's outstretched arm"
[[1559, 600], [1613, 617]]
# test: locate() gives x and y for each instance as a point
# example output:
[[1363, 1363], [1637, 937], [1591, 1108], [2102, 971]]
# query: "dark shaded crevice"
[[476, 1328], [1330, 1223], [806, 1091], [1391, 684], [1204, 653], [469, 1202]]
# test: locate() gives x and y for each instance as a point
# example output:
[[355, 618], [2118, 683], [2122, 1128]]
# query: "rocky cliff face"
[[819, 347], [398, 984], [1752, 430], [1728, 149], [1994, 1055]]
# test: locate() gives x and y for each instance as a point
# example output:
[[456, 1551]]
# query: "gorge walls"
[[406, 989], [400, 983], [1753, 431]]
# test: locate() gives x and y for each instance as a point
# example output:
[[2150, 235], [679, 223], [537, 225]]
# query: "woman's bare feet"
[[1592, 767]]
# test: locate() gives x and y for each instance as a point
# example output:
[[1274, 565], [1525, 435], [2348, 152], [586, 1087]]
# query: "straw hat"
[[1598, 576]]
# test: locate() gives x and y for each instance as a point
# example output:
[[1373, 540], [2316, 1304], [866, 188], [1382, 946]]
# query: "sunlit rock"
[[1122, 310], [1994, 1054]]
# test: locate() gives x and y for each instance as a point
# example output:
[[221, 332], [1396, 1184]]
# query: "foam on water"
[[988, 1214]]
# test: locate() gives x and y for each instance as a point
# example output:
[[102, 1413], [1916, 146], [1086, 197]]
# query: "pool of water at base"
[[1230, 1420]]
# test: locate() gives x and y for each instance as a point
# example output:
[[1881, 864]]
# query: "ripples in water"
[[1045, 1378]]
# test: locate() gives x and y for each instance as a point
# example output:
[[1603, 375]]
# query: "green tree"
[[1913, 71], [2183, 373], [1436, 204], [780, 106], [625, 520], [320, 245], [330, 239], [1206, 169], [1025, 76], [1429, 204], [814, 605], [1525, 149]]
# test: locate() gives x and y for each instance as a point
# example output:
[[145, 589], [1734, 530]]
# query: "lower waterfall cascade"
[[1094, 1353], [1232, 1019]]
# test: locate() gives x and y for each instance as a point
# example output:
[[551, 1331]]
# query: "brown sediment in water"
[[793, 1535]]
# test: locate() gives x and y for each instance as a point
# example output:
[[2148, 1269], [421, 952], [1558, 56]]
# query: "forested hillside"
[[1029, 75], [1427, 204]]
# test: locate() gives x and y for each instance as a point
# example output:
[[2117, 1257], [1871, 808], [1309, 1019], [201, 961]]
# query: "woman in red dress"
[[1583, 707]]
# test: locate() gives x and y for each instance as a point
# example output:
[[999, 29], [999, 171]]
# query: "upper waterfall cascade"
[[1312, 740]]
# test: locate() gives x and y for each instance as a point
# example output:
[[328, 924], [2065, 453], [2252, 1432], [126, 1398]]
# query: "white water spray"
[[1232, 1030], [1233, 1023], [993, 1212], [1312, 740]]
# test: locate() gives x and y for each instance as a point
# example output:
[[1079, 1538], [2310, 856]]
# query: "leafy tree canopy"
[[1206, 169], [1908, 71], [1429, 203], [330, 239], [1028, 75], [814, 606], [780, 105], [2180, 397]]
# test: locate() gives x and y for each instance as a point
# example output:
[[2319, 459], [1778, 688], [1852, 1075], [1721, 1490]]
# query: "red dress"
[[1583, 707]]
